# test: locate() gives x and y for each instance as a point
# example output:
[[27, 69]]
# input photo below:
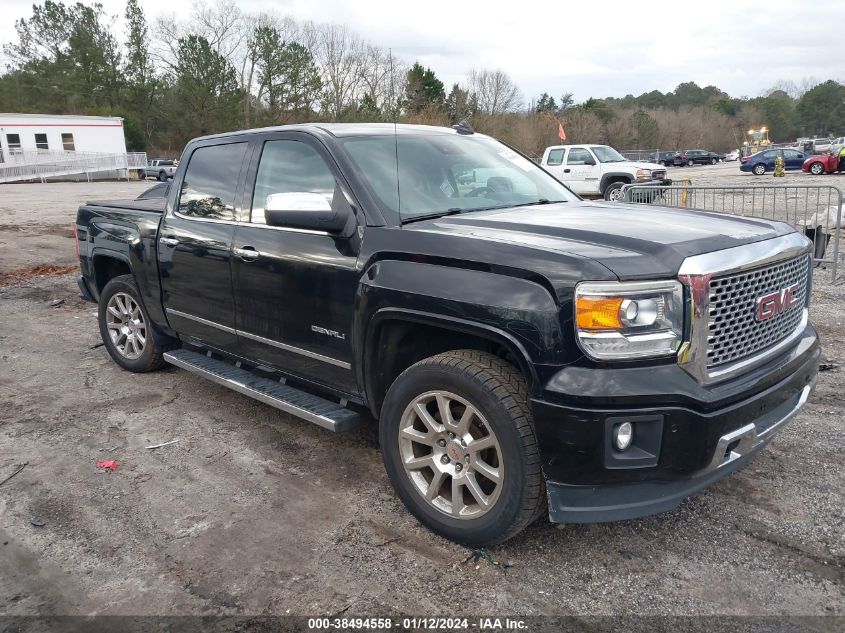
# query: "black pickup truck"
[[524, 352]]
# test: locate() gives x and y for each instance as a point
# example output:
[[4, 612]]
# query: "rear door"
[[295, 289], [195, 244], [554, 161]]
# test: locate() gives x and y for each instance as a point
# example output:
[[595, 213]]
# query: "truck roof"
[[349, 129]]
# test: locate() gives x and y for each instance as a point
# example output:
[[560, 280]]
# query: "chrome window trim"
[[261, 339], [237, 223], [697, 271]]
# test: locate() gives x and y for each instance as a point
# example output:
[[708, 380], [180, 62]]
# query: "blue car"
[[764, 161]]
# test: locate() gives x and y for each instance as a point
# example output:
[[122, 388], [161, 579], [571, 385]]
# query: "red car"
[[821, 164]]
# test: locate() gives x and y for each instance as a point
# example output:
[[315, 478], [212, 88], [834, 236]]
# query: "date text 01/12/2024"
[[417, 624]]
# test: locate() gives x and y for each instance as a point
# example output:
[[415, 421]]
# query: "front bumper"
[[695, 434]]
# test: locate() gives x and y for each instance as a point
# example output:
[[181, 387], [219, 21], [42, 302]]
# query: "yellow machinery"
[[757, 140]]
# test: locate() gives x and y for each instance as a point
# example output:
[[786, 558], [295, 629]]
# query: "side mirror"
[[306, 210]]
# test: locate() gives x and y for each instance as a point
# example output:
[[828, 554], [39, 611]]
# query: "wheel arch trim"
[[450, 323]]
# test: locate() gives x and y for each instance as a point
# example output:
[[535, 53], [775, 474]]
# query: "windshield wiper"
[[540, 201], [431, 216]]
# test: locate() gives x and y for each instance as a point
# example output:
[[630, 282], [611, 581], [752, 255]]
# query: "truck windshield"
[[440, 174], [607, 154]]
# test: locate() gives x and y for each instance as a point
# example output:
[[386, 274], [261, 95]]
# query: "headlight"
[[620, 320], [643, 174]]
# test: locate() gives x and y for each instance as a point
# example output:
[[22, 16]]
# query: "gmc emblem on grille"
[[774, 303]]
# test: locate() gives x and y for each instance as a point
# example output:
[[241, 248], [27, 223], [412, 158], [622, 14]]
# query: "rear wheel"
[[459, 447], [713, 161], [126, 329], [817, 169], [141, 175], [690, 163], [759, 169], [162, 176]]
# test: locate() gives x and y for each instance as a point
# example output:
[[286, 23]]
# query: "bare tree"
[[341, 56], [494, 91], [382, 79]]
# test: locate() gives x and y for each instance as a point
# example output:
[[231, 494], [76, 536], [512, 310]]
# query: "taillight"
[[76, 241]]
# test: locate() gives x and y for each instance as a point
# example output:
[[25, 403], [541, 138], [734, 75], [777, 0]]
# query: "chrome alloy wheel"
[[451, 455], [126, 326]]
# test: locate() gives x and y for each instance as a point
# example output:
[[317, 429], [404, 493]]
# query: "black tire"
[[690, 163], [162, 177], [141, 175], [713, 161], [759, 169], [817, 169], [611, 192], [154, 347], [498, 391]]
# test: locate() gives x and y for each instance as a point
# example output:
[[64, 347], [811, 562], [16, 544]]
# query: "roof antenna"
[[393, 105]]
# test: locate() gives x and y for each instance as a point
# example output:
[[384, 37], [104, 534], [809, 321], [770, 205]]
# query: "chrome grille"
[[658, 174], [733, 329]]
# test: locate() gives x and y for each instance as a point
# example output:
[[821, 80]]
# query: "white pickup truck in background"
[[159, 168], [598, 170]]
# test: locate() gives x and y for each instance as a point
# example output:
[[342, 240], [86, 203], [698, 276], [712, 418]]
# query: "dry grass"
[[22, 275]]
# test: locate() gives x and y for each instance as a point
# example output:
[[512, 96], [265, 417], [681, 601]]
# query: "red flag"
[[560, 133]]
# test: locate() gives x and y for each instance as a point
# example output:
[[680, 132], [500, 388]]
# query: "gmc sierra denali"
[[524, 352]]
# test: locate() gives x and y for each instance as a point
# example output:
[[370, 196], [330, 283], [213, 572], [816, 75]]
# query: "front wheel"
[[713, 161], [126, 329], [613, 193], [759, 169], [459, 447], [817, 169]]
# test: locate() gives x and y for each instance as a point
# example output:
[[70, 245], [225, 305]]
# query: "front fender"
[[520, 314], [614, 175]]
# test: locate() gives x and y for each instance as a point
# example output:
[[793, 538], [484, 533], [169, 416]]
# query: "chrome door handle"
[[172, 242], [247, 253]]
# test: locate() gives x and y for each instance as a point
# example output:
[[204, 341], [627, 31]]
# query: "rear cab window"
[[555, 157], [209, 187]]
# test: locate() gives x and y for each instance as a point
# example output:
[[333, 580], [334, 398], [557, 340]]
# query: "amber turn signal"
[[598, 313]]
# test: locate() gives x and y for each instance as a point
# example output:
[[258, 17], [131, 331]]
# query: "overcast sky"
[[595, 48]]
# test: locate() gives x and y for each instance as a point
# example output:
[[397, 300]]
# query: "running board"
[[330, 415]]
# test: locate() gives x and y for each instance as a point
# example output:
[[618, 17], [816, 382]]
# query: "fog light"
[[623, 435]]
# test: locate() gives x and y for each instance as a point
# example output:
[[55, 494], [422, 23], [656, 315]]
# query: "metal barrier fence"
[[815, 211], [640, 155], [41, 165]]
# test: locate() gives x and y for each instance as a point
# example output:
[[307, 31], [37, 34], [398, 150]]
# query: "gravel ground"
[[254, 512]]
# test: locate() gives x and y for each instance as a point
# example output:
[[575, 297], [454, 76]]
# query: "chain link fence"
[[814, 210]]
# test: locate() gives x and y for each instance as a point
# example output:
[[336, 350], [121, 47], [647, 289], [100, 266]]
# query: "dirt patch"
[[39, 270]]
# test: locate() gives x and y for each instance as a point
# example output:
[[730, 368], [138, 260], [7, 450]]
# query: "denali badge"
[[322, 330], [774, 303]]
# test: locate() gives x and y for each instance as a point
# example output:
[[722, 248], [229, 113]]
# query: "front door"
[[295, 289], [581, 172], [195, 246], [793, 159]]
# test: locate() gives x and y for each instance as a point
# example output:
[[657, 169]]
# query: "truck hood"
[[633, 241], [633, 166]]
